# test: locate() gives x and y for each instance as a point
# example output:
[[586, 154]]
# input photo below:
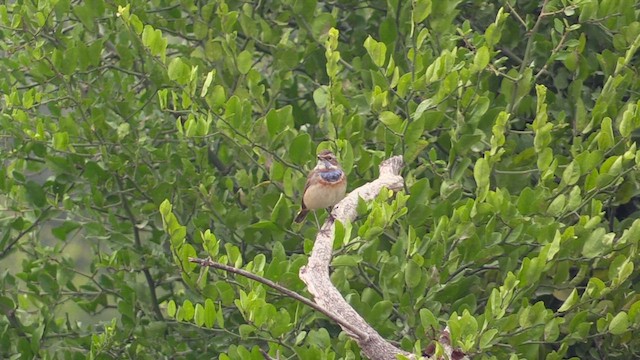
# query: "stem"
[[290, 293], [138, 244]]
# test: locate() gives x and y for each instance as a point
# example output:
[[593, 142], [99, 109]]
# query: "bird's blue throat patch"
[[331, 175]]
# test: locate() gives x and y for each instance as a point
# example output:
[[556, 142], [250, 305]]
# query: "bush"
[[140, 134]]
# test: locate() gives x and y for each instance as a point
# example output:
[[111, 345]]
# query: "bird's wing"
[[306, 186]]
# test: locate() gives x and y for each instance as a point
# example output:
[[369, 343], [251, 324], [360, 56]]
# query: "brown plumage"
[[326, 185]]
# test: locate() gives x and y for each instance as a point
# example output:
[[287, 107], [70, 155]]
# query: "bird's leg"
[[330, 210]]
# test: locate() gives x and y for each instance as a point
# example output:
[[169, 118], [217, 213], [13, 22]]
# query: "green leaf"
[[300, 148], [421, 10], [245, 62], [481, 173], [552, 330], [177, 236], [629, 121], [207, 83], [199, 315], [619, 324], [346, 260], [605, 137], [481, 59], [179, 71], [571, 173], [487, 338], [376, 50], [188, 310], [428, 320], [381, 311], [557, 205], [595, 287], [569, 302], [6, 305], [64, 229], [152, 38], [321, 96], [412, 274], [61, 141], [597, 243], [187, 251], [321, 24], [171, 308], [393, 121], [35, 194], [463, 329], [123, 130], [209, 313], [48, 283]]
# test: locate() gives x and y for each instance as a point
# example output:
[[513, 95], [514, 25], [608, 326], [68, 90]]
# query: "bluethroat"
[[326, 185]]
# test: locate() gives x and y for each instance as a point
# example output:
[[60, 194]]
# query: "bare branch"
[[316, 273], [290, 293]]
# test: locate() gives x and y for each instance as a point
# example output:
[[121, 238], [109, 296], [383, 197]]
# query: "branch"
[[290, 293], [138, 246], [24, 232], [316, 273]]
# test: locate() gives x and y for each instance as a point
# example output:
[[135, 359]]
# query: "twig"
[[24, 232], [138, 246], [290, 293]]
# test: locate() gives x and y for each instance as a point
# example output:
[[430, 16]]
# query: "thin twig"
[[138, 244], [290, 293], [6, 250]]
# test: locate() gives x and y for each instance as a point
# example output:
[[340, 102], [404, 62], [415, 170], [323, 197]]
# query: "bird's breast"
[[323, 193]]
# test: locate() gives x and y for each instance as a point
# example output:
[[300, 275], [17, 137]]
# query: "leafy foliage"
[[138, 134]]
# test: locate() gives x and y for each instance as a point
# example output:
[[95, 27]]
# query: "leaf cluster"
[[138, 134]]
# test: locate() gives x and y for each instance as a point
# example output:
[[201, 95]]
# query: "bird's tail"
[[301, 215]]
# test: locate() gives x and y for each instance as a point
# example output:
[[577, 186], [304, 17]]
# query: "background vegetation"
[[517, 121]]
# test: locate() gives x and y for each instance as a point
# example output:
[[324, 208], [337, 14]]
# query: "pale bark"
[[316, 273]]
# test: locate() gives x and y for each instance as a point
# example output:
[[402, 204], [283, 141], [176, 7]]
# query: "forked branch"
[[316, 273]]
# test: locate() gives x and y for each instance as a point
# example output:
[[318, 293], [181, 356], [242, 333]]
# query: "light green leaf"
[[597, 243], [171, 308], [486, 340], [421, 10], [481, 59], [428, 320], [376, 50], [61, 140], [179, 71], [619, 324], [188, 310], [557, 205], [570, 301], [199, 315], [245, 61], [481, 173], [207, 83], [571, 173], [152, 38]]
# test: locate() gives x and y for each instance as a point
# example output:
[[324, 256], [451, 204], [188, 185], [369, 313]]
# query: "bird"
[[326, 185]]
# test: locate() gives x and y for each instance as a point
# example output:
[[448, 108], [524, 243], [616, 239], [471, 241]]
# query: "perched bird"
[[326, 185]]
